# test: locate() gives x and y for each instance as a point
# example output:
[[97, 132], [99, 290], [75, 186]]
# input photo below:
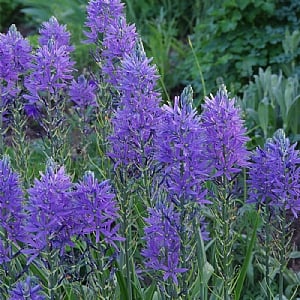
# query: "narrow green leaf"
[[263, 116], [122, 284], [243, 271], [149, 292]]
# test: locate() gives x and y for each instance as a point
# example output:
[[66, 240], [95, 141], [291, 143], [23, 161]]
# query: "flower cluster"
[[53, 31], [58, 210], [162, 251], [113, 52], [274, 175], [100, 14], [27, 289], [179, 149], [11, 198], [49, 221], [107, 23], [83, 93], [15, 55], [51, 67], [225, 135], [135, 121], [98, 209]]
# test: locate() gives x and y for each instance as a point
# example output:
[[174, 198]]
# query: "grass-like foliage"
[[106, 192]]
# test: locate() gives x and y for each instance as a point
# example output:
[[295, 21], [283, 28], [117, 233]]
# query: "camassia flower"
[[274, 175], [51, 68], [113, 36], [50, 212], [136, 118], [100, 14], [83, 93], [97, 210], [119, 40], [52, 30], [162, 250], [11, 198], [179, 148], [225, 135], [15, 56], [27, 289]]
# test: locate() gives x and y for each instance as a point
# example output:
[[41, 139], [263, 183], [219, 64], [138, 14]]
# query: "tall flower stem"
[[267, 249], [282, 253], [125, 206], [183, 245], [224, 241], [20, 143]]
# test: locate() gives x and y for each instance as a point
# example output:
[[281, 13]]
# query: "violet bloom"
[[52, 30], [179, 150], [50, 209], [138, 79], [52, 69], [96, 209], [15, 55], [83, 93], [225, 135], [107, 23], [135, 120], [100, 14], [162, 250], [11, 198], [274, 175], [119, 40], [27, 289]]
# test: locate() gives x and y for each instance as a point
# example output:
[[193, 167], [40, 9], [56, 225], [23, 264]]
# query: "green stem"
[[201, 259], [225, 237], [125, 208], [183, 244], [282, 254], [127, 257], [226, 249], [51, 282], [267, 249]]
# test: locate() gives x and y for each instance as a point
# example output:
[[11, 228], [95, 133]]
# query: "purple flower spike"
[[162, 250], [179, 149], [100, 14], [15, 56], [97, 209], [118, 41], [83, 93], [274, 175], [52, 30], [50, 210], [225, 135], [136, 119], [27, 289], [51, 66], [11, 198]]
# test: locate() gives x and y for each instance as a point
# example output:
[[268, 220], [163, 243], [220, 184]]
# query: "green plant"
[[8, 13], [236, 38], [270, 102]]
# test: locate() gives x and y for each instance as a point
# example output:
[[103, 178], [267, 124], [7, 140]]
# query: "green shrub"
[[237, 38]]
